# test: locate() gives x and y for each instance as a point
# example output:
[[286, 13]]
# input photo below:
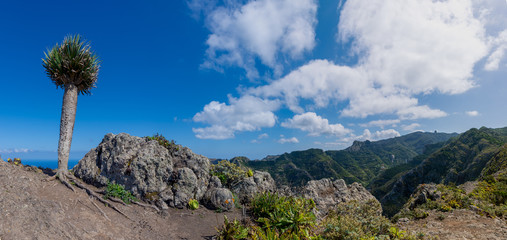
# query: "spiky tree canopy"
[[72, 62]]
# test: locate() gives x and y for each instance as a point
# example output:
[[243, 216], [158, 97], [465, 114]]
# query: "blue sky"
[[256, 78]]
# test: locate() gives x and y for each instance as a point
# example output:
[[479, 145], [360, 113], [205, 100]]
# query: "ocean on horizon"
[[53, 164]]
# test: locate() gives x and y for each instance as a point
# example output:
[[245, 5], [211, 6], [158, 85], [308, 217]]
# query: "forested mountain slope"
[[361, 162]]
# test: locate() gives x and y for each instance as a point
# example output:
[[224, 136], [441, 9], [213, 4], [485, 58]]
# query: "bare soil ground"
[[459, 224], [31, 208]]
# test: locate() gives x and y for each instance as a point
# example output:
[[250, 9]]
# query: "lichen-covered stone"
[[327, 194], [146, 168], [219, 198], [258, 183]]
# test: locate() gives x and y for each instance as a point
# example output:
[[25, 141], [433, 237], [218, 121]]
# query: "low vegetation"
[[488, 198], [170, 145], [491, 194], [360, 220], [361, 162], [114, 190], [281, 217], [229, 173], [275, 217], [193, 204]]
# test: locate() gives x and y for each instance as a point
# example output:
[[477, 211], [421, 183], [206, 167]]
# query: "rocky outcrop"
[[423, 193], [147, 169], [170, 178], [258, 183], [327, 194]]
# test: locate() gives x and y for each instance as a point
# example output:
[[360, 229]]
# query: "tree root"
[[64, 175], [103, 213], [117, 200], [98, 197], [147, 206]]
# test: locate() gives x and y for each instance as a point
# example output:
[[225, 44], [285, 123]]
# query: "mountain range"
[[391, 169], [361, 162]]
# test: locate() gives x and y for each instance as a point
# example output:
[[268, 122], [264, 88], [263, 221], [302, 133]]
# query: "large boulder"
[[327, 194], [258, 183], [146, 168]]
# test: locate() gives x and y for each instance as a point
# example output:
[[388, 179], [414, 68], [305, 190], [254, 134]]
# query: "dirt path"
[[33, 209]]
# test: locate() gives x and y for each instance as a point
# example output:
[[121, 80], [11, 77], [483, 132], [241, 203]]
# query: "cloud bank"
[[404, 49], [266, 30]]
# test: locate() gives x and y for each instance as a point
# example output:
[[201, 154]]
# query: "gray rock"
[[258, 183], [141, 166], [422, 194], [403, 220], [199, 164], [214, 182], [147, 169], [219, 198], [327, 194], [185, 187]]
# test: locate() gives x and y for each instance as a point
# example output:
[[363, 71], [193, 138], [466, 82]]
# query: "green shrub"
[[232, 230], [193, 204], [169, 145], [228, 173], [118, 191], [491, 195], [285, 214], [356, 220], [277, 217]]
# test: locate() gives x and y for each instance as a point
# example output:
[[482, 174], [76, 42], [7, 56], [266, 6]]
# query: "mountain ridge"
[[358, 163]]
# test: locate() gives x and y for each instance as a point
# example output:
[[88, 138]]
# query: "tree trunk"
[[67, 127]]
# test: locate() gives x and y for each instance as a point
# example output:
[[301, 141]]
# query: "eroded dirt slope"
[[34, 209]]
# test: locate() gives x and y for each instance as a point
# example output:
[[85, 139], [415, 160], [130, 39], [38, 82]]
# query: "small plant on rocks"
[[170, 145], [193, 204], [228, 173], [118, 191]]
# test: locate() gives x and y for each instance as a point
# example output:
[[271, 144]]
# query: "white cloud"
[[324, 82], [500, 47], [320, 81], [381, 123], [15, 150], [410, 127], [368, 135], [261, 29], [263, 136], [217, 132], [492, 13], [247, 113], [417, 112], [284, 140], [404, 49], [415, 46], [472, 113], [315, 125], [378, 135]]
